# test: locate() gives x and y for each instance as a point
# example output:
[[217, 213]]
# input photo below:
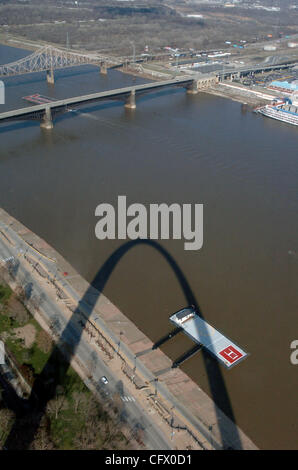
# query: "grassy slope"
[[72, 421]]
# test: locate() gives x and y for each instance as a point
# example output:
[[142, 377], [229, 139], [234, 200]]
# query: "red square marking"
[[231, 354]]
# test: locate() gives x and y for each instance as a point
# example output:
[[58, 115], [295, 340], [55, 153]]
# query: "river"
[[186, 149]]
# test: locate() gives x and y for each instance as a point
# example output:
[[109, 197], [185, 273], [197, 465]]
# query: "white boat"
[[285, 110]]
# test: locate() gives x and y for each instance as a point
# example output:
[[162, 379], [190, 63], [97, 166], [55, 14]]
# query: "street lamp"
[[120, 333], [210, 428], [155, 380], [135, 366]]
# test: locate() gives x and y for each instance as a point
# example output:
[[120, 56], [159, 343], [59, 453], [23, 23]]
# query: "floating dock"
[[221, 347]]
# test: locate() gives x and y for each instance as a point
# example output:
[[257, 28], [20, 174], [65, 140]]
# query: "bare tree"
[[55, 325], [42, 439], [6, 419], [56, 405], [78, 398]]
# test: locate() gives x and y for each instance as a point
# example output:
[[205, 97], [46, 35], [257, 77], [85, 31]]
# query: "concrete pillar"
[[103, 68], [50, 77], [193, 88], [47, 122], [131, 100]]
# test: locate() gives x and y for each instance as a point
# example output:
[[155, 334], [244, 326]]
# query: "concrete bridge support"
[[204, 83], [103, 68], [192, 89], [235, 76], [50, 77], [47, 122], [131, 100]]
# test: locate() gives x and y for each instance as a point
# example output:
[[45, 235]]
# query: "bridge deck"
[[256, 68], [94, 97]]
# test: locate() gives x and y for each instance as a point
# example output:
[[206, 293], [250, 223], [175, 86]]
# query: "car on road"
[[104, 380]]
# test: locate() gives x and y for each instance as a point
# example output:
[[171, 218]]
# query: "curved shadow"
[[28, 414], [216, 382]]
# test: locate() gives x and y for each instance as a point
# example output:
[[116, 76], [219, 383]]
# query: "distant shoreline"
[[234, 95]]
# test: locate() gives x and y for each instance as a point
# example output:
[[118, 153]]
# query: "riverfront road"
[[91, 318], [38, 111], [135, 416], [258, 68], [20, 247]]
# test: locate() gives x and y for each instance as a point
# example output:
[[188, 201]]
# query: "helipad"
[[225, 350]]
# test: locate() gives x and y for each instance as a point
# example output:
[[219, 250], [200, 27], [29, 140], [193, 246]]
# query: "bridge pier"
[[50, 77], [47, 122], [234, 76], [103, 69], [192, 89], [126, 94], [130, 102]]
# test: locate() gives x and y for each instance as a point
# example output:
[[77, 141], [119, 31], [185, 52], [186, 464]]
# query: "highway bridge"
[[46, 112], [246, 70], [50, 58]]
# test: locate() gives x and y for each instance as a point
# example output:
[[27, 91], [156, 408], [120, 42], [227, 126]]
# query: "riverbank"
[[241, 94], [20, 43], [232, 91], [28, 353], [25, 271], [167, 395], [151, 71]]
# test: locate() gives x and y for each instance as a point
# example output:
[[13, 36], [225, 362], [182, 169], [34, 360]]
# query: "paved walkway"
[[175, 404]]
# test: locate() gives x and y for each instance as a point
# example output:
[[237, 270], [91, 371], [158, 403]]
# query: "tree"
[[42, 439], [78, 399], [56, 325], [56, 405], [6, 420]]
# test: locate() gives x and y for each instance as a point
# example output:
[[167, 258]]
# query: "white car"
[[104, 380]]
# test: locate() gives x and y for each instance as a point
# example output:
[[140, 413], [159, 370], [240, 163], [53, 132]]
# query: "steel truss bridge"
[[50, 58]]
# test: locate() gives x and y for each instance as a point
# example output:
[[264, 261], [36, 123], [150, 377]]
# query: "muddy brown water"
[[184, 149]]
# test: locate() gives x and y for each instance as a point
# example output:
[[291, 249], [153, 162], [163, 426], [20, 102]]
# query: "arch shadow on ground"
[[29, 413]]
